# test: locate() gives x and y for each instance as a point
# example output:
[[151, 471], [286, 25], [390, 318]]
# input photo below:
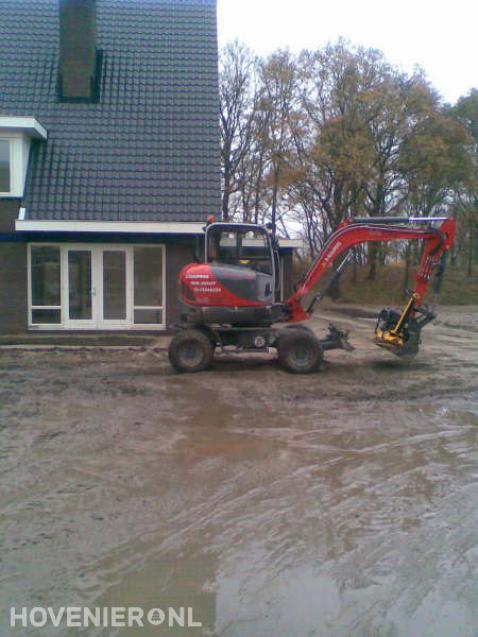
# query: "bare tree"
[[237, 106], [312, 139]]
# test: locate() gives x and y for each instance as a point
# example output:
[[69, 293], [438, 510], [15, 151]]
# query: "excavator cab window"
[[240, 245]]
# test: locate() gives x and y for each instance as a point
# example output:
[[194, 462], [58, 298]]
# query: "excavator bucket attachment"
[[403, 342]]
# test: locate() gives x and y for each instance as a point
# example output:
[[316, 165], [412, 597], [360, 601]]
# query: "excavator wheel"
[[190, 351], [299, 351], [299, 326]]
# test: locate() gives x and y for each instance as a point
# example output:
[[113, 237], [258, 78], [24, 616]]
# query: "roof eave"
[[124, 227], [28, 125]]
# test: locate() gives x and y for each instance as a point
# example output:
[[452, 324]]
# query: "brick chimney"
[[78, 50]]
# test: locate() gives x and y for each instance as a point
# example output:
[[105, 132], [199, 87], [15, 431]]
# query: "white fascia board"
[[126, 227], [131, 227], [28, 125]]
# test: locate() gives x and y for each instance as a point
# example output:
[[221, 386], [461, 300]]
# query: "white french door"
[[84, 286], [79, 303], [96, 287]]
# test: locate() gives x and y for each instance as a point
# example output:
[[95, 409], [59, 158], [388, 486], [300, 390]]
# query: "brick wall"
[[8, 213], [13, 273]]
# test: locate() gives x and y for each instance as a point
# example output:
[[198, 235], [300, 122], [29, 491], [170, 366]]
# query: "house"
[[109, 159]]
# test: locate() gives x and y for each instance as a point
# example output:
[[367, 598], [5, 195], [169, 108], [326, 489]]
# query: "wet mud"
[[339, 504]]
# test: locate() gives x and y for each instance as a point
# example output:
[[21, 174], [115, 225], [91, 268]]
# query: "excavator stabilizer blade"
[[336, 339]]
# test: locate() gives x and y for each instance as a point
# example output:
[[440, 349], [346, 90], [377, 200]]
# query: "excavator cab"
[[240, 244], [244, 258], [237, 282]]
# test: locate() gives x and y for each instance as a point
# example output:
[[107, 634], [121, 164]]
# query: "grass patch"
[[388, 287]]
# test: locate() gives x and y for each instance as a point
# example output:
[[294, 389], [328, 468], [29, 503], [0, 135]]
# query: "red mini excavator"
[[230, 299]]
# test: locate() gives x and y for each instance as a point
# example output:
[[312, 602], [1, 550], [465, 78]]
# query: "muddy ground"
[[341, 504]]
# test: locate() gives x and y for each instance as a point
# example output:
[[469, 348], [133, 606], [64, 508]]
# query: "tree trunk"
[[274, 206], [225, 196], [334, 290], [257, 197], [355, 269], [406, 278], [372, 261]]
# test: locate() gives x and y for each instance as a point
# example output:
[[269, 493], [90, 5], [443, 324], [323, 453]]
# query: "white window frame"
[[31, 307], [19, 145], [19, 131], [97, 322], [162, 307], [111, 324]]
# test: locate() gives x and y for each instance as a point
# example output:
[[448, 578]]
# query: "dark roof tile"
[[150, 149]]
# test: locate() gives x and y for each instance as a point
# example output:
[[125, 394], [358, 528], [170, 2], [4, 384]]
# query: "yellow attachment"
[[393, 339], [406, 311], [388, 339]]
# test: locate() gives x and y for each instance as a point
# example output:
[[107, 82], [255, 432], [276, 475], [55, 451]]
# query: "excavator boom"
[[437, 241]]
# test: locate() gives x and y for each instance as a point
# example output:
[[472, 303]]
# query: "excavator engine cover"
[[223, 285]]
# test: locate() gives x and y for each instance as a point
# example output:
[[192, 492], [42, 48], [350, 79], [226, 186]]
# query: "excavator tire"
[[190, 351], [299, 351], [299, 326]]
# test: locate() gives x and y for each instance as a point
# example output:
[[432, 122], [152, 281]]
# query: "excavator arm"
[[396, 331]]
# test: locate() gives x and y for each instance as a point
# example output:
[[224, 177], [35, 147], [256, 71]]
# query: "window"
[[45, 285], [241, 247], [148, 285], [255, 251], [80, 302], [114, 285], [91, 286], [16, 134], [5, 169]]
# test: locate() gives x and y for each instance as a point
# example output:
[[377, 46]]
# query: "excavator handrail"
[[396, 220]]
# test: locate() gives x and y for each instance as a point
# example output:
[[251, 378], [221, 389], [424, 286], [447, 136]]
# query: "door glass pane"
[[79, 281], [4, 166], [255, 251], [45, 265], [148, 277], [114, 285]]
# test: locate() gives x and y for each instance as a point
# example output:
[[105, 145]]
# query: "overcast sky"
[[441, 37]]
